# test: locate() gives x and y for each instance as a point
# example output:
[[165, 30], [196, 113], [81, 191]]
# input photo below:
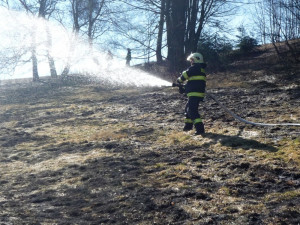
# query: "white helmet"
[[196, 57]]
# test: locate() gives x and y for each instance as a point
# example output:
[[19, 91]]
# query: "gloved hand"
[[181, 89]]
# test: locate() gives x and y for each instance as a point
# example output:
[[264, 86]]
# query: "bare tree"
[[4, 3], [46, 8], [278, 21], [179, 25], [90, 17], [11, 58], [42, 9], [89, 20], [76, 12], [136, 24], [186, 21]]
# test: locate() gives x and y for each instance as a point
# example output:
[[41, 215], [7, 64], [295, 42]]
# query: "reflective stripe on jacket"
[[196, 80]]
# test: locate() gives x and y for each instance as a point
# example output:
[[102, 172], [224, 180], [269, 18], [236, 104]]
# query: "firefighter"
[[195, 79], [128, 57]]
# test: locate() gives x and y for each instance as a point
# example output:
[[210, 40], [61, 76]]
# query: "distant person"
[[195, 79], [109, 55], [128, 57]]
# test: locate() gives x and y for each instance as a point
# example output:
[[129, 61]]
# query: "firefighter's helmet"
[[196, 57]]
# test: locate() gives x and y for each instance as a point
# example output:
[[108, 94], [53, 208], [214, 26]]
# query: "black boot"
[[199, 129], [188, 126]]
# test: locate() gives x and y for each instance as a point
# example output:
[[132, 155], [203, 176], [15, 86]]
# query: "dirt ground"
[[86, 154]]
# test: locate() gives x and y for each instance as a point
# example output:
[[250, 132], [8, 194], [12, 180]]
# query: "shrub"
[[214, 50], [247, 44]]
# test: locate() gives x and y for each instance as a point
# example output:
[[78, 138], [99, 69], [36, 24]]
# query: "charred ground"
[[87, 154]]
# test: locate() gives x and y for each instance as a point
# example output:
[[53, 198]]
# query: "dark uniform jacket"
[[196, 80]]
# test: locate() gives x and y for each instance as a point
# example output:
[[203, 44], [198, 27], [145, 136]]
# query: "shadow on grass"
[[238, 142]]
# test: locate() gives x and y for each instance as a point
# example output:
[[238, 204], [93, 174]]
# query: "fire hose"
[[181, 90]]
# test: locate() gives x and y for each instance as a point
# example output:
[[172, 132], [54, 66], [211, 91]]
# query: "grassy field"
[[87, 154]]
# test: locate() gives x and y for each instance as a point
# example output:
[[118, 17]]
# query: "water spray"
[[83, 60]]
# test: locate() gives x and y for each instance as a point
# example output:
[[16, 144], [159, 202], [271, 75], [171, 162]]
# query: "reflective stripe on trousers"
[[191, 110]]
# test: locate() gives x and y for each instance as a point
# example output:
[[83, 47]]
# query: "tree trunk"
[[190, 39], [67, 67], [176, 21], [52, 67], [76, 28], [90, 23], [35, 72], [206, 7], [160, 31]]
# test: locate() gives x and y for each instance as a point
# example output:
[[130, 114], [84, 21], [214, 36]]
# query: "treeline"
[[168, 30], [279, 21]]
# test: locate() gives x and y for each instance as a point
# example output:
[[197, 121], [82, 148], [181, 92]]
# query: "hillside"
[[89, 154]]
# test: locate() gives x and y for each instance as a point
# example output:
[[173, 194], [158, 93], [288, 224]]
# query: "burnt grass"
[[87, 154]]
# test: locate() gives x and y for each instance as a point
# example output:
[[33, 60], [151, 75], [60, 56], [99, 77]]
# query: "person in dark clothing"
[[109, 55], [195, 79], [128, 57]]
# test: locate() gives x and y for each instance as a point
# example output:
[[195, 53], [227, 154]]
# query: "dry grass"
[[289, 151], [92, 154], [280, 197]]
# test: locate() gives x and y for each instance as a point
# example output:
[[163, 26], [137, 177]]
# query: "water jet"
[[17, 44]]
